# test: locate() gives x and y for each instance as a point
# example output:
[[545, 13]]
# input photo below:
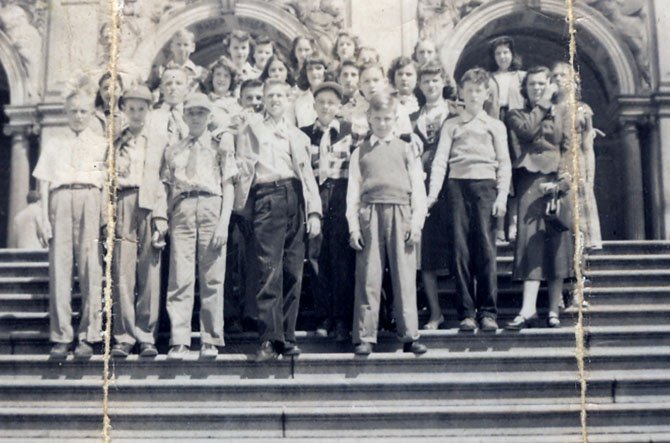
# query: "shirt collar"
[[334, 124], [374, 139], [481, 116], [178, 107]]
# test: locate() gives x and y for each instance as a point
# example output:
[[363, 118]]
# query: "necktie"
[[175, 128], [192, 164], [324, 150]]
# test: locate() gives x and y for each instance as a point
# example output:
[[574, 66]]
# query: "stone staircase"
[[476, 387]]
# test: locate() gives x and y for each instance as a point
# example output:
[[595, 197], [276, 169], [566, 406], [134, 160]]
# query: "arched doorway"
[[210, 23], [541, 37]]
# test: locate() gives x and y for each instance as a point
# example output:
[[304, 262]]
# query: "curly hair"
[[222, 62], [350, 36], [532, 71]]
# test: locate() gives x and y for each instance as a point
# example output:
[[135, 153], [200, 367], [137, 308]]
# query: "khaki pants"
[[75, 221], [192, 225], [384, 227], [136, 263]]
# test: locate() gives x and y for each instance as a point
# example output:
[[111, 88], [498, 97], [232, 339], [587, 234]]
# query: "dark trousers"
[[279, 238], [331, 261], [472, 236], [241, 275]]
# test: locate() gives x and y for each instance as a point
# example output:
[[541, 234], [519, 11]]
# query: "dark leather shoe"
[[266, 353], [520, 322], [414, 347], [122, 350], [60, 350], [291, 350], [148, 350], [468, 324], [488, 324], [363, 349], [341, 332], [178, 352], [83, 350]]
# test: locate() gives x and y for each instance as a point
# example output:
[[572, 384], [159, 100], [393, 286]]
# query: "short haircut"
[[274, 82], [396, 65], [478, 76], [576, 77], [431, 68], [81, 85], [250, 83], [184, 34], [173, 67], [434, 67], [277, 57], [367, 66], [350, 36], [222, 63], [503, 41], [347, 64], [303, 81], [533, 71], [265, 40], [383, 101]]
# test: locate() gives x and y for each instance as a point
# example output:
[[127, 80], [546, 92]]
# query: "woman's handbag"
[[558, 213]]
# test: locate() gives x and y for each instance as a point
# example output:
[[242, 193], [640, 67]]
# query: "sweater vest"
[[385, 178]]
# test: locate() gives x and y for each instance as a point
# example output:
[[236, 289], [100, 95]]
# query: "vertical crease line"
[[110, 207], [575, 151]]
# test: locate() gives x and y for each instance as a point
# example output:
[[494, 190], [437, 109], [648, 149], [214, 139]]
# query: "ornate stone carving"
[[629, 19], [437, 18], [324, 18], [23, 22]]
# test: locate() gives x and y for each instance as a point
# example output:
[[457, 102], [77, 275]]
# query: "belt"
[[75, 186], [128, 189], [332, 182], [191, 194], [269, 186]]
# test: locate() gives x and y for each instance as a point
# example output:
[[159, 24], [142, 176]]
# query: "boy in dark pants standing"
[[332, 261], [276, 176], [474, 147]]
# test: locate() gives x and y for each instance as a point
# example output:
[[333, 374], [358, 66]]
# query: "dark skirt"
[[542, 252], [434, 250]]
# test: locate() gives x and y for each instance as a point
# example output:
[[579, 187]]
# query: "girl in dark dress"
[[540, 143], [433, 253]]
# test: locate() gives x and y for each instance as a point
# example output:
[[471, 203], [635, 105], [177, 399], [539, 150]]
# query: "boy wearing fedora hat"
[[136, 263], [198, 176], [330, 261]]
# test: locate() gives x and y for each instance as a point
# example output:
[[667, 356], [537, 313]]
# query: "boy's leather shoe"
[[291, 350], [60, 350], [488, 324], [122, 350], [83, 350], [266, 353], [468, 324], [148, 350], [414, 347], [363, 349]]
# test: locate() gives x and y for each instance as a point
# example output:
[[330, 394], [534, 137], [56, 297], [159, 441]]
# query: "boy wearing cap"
[[71, 170], [386, 208], [198, 176], [136, 257], [277, 179], [330, 260]]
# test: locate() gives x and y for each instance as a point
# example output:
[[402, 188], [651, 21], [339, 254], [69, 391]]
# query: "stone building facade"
[[623, 61]]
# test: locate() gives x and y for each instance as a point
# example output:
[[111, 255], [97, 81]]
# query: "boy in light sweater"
[[386, 208], [473, 146]]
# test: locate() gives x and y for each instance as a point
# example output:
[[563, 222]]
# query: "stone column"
[[632, 190], [654, 169], [19, 184]]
